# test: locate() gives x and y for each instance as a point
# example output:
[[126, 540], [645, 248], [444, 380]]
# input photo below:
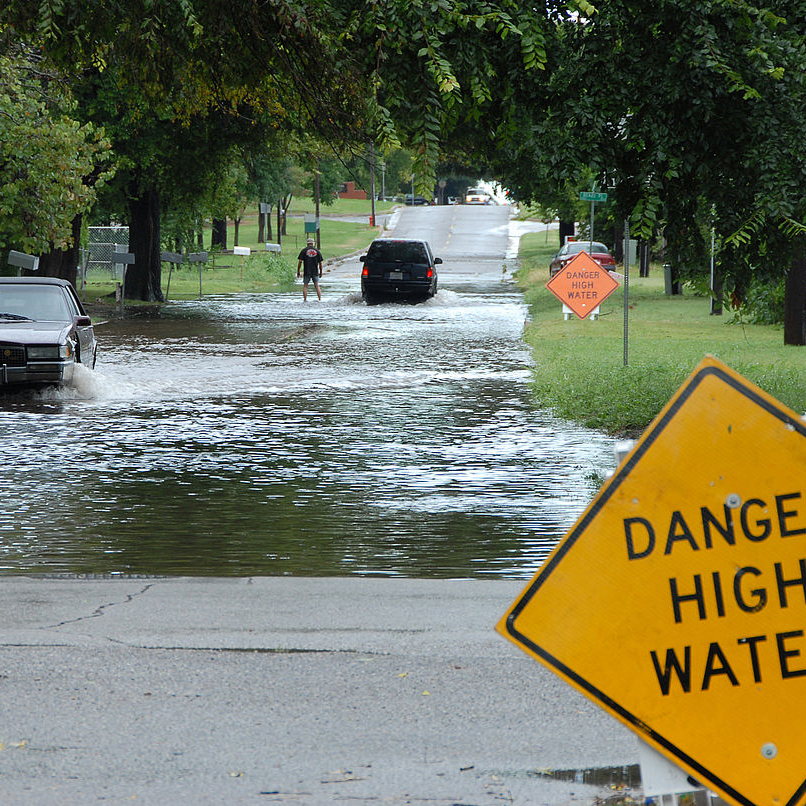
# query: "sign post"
[[677, 602], [627, 260], [592, 196], [174, 259]]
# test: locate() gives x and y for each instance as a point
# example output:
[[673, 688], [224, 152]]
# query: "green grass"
[[579, 364], [332, 230], [306, 204]]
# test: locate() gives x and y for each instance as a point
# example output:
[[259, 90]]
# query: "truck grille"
[[12, 355]]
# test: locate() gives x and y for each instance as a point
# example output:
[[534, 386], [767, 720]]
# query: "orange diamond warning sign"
[[678, 600], [582, 284]]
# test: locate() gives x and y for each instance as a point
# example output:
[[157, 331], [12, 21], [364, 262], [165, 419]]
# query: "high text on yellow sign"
[[678, 600]]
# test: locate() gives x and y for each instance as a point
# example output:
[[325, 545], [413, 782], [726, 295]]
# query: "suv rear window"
[[397, 252]]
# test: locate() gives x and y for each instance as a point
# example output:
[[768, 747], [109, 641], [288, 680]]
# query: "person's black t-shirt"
[[311, 257]]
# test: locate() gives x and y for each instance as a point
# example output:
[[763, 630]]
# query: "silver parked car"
[[44, 332]]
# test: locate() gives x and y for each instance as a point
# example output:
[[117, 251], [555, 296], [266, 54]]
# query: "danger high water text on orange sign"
[[582, 284]]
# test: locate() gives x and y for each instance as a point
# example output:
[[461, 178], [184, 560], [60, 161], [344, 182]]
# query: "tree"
[[51, 166], [270, 178], [331, 172], [444, 71], [698, 119], [159, 74]]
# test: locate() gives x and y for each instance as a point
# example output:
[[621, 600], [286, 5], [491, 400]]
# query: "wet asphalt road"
[[295, 690], [283, 690]]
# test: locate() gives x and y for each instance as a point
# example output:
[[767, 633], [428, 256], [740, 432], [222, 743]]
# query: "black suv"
[[395, 269]]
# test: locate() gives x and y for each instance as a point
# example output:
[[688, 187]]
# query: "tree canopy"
[[689, 113], [51, 164]]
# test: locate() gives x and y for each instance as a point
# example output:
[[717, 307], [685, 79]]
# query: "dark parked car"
[[395, 269], [598, 251], [44, 331], [417, 199]]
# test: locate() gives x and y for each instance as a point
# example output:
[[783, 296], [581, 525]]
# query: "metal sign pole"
[[713, 234], [592, 196], [627, 258], [716, 305]]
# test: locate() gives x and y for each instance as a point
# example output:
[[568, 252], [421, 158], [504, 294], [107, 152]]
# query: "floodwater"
[[257, 435]]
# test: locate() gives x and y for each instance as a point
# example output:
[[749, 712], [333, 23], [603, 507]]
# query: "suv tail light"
[[430, 273], [365, 272]]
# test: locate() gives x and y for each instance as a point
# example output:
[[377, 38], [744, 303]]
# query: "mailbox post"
[[22, 261], [243, 251], [124, 259], [174, 258], [201, 259]]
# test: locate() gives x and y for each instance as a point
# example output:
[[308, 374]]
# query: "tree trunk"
[[62, 262], [566, 228], [143, 277], [719, 293], [261, 226], [618, 243], [795, 298], [286, 208], [236, 231], [643, 251], [219, 235]]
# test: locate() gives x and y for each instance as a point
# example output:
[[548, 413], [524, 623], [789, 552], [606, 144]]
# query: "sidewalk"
[[284, 690]]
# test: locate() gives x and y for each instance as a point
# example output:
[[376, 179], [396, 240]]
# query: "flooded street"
[[257, 435]]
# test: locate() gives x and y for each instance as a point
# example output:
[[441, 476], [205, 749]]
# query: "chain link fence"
[[98, 259]]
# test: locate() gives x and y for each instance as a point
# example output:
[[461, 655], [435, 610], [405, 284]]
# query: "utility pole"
[[316, 196], [372, 181]]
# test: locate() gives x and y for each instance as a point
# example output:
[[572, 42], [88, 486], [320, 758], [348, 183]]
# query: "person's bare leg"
[[305, 291], [316, 286]]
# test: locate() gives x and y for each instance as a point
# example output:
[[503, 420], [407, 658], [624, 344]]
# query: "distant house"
[[349, 191]]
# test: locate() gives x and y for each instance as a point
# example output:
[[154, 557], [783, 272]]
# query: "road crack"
[[100, 610]]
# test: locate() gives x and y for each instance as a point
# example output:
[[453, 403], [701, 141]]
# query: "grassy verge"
[[306, 204], [579, 364], [261, 271]]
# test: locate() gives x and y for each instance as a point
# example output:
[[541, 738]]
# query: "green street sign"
[[591, 196]]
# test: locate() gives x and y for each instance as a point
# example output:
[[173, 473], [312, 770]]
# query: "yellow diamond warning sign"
[[678, 600], [582, 284]]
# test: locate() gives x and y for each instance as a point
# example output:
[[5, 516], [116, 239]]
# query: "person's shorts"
[[308, 277]]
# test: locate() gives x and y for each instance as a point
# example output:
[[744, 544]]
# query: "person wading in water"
[[311, 258]]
